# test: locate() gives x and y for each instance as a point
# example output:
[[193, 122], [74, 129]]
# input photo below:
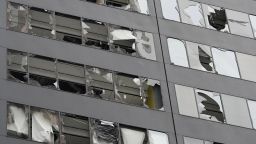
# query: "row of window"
[[216, 107], [140, 6], [52, 127], [211, 59], [189, 140], [82, 31], [84, 79], [212, 17]]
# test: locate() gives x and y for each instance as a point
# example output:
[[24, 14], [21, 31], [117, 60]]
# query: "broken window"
[[170, 10], [247, 71], [17, 66], [225, 62], [145, 45], [252, 109], [200, 57], [95, 34], [152, 94], [17, 120], [123, 40], [188, 140], [253, 23], [239, 23], [68, 28], [209, 105], [100, 83], [132, 135], [75, 129], [209, 142], [104, 132], [186, 100], [236, 111], [128, 89], [42, 71], [41, 22], [215, 18], [177, 51], [191, 13], [17, 17], [157, 137], [45, 125], [71, 77]]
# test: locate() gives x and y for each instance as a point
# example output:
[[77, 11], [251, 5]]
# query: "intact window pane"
[[253, 23], [152, 94], [75, 129], [170, 10], [145, 45], [104, 132], [225, 62], [191, 13], [100, 83], [188, 140], [236, 111], [17, 65], [186, 100], [157, 137], [177, 51], [17, 120], [128, 89], [71, 77], [45, 125], [17, 17], [41, 22], [42, 71], [252, 108], [200, 57], [215, 18], [210, 105], [246, 69], [239, 23], [132, 135], [68, 28]]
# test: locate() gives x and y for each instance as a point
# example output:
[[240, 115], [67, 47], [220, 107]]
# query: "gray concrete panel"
[[3, 62], [3, 113], [3, 13]]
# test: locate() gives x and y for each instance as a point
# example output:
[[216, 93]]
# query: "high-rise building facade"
[[127, 72]]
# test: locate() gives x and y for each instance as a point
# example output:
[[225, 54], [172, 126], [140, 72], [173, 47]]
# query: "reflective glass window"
[[253, 23], [246, 68], [132, 135], [188, 140], [170, 10], [157, 137], [252, 109]]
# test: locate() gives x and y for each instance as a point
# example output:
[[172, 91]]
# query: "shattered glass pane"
[[252, 109], [17, 120], [145, 45], [17, 66], [68, 28], [247, 71], [177, 51], [75, 129], [239, 23], [225, 62], [200, 57], [188, 140], [253, 23], [71, 77], [45, 125], [215, 18], [42, 71], [140, 6], [191, 13], [128, 89], [123, 40], [152, 94], [170, 10], [186, 100], [133, 136], [41, 22], [236, 111], [17, 17], [210, 105], [95, 34], [100, 83], [157, 137], [104, 132]]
